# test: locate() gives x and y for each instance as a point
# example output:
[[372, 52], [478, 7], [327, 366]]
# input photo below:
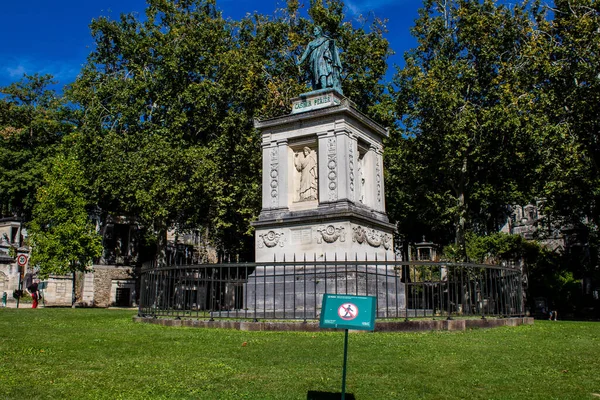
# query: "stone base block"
[[297, 292], [325, 241]]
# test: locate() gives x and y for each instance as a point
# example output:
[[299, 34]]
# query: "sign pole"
[[20, 285], [344, 367], [347, 312]]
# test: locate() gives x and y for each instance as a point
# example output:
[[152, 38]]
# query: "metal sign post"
[[19, 286], [347, 312], [21, 262], [344, 367]]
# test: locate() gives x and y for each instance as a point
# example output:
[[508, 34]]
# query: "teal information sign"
[[340, 311]]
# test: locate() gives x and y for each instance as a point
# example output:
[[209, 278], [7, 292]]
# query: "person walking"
[[35, 294]]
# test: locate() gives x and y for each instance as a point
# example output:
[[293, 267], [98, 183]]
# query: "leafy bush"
[[548, 273], [495, 248]]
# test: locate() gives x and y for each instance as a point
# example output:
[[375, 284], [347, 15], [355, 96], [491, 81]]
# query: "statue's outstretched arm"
[[305, 54]]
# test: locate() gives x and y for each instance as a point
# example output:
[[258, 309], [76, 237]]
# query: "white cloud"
[[62, 71], [352, 8], [357, 7], [16, 72]]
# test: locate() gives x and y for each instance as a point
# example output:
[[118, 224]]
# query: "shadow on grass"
[[312, 395]]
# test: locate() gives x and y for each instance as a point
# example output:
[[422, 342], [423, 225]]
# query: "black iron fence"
[[294, 290]]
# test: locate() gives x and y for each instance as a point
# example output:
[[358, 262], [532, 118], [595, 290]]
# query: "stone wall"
[[58, 291], [103, 279], [9, 279]]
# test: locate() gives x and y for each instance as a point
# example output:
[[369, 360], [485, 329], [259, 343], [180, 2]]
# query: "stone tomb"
[[323, 199]]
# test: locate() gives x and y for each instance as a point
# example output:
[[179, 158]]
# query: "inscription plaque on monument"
[[309, 103], [301, 236]]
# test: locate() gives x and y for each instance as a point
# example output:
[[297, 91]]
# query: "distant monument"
[[323, 196]]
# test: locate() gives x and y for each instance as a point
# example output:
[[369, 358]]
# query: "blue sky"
[[53, 36]]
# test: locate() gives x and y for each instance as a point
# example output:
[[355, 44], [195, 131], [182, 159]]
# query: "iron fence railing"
[[294, 290]]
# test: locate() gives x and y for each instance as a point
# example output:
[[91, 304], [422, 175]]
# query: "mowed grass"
[[102, 354]]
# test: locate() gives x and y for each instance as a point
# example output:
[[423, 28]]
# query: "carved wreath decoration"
[[372, 237], [330, 234], [271, 239]]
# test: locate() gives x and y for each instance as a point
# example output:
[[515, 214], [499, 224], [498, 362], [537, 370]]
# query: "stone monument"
[[322, 189], [323, 185]]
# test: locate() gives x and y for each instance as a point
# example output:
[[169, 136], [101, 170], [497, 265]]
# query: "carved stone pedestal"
[[323, 189]]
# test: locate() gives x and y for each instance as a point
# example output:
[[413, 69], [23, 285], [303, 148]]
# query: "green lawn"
[[96, 354]]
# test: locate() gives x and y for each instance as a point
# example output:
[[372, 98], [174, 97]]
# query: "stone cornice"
[[345, 107], [326, 213]]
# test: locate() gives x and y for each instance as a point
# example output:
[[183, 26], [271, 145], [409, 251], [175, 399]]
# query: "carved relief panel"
[[332, 168], [274, 177], [372, 237], [351, 163], [378, 178], [362, 173], [271, 239], [306, 178], [330, 234], [361, 179]]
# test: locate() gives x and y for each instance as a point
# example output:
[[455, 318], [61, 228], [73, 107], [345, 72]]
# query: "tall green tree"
[[33, 120], [62, 237], [155, 100], [466, 149], [567, 98]]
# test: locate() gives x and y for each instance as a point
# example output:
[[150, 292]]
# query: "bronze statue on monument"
[[324, 62]]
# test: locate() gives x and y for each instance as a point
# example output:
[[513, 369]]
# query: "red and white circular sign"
[[22, 260], [348, 311]]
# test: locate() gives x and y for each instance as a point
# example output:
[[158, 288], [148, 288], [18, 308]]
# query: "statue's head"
[[306, 151], [317, 31]]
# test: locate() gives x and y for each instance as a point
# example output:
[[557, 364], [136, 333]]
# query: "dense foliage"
[[498, 106], [466, 152], [33, 119], [62, 237], [568, 96]]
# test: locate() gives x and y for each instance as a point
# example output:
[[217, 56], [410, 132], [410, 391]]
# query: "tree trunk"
[[74, 293], [160, 228], [461, 214]]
